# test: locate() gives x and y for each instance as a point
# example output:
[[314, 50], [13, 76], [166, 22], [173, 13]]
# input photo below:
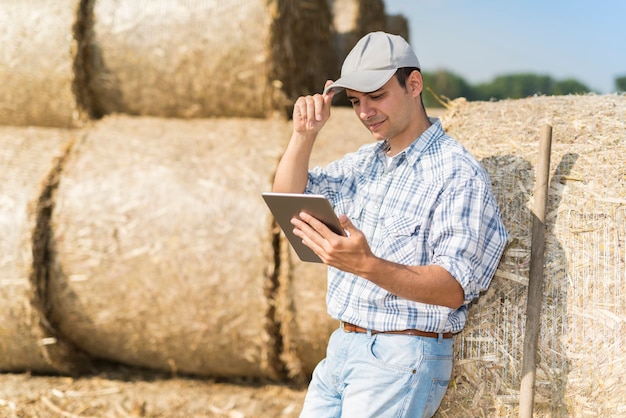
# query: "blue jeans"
[[379, 376]]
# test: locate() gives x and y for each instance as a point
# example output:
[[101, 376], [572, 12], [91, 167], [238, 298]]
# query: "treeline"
[[444, 85]]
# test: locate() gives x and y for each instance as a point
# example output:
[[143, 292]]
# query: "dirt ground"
[[118, 392]]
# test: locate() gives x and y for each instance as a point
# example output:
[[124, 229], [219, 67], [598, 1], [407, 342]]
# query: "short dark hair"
[[403, 73]]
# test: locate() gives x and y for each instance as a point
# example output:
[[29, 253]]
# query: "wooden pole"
[[535, 278]]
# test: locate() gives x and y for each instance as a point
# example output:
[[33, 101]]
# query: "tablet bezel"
[[285, 206]]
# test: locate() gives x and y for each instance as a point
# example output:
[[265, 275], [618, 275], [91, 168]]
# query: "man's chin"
[[377, 136]]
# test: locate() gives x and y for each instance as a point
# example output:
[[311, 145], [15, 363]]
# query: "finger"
[[316, 225], [299, 110], [328, 97], [320, 107], [304, 226], [310, 110], [309, 236], [345, 222], [347, 226], [328, 84]]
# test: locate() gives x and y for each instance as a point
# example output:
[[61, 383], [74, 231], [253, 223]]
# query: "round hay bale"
[[29, 160], [398, 25], [163, 247], [207, 58], [37, 61], [583, 323], [306, 323], [353, 19]]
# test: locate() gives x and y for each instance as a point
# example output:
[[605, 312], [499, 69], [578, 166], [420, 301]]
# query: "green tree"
[[444, 85], [569, 86], [620, 83], [514, 86]]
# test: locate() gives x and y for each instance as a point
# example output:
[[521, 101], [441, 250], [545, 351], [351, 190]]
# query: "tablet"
[[285, 206]]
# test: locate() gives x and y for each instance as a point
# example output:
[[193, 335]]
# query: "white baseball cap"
[[373, 61]]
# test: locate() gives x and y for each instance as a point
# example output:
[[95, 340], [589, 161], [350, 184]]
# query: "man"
[[424, 238]]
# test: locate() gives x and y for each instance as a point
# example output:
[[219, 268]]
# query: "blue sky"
[[480, 39]]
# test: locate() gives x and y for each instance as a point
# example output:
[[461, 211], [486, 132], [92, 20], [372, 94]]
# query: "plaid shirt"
[[432, 205]]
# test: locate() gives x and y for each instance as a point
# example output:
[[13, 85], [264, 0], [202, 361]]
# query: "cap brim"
[[362, 81]]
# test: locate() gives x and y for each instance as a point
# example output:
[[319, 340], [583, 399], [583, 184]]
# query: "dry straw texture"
[[28, 161], [163, 249], [581, 358], [241, 58], [36, 63]]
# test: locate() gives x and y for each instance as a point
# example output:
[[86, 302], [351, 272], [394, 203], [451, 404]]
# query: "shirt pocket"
[[402, 239], [353, 210]]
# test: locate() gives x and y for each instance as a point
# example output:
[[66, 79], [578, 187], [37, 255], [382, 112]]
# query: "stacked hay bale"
[[163, 250], [29, 159], [208, 58], [352, 19], [398, 25], [584, 316], [39, 50]]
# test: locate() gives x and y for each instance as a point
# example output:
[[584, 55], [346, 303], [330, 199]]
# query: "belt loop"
[[440, 338], [369, 333]]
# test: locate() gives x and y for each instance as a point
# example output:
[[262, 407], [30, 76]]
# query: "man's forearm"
[[292, 172], [426, 284], [431, 284]]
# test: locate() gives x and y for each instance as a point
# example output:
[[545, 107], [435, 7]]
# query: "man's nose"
[[366, 111]]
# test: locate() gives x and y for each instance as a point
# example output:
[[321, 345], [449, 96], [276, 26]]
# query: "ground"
[[119, 392]]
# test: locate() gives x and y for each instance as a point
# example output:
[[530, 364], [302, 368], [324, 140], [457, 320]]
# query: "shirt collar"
[[421, 143]]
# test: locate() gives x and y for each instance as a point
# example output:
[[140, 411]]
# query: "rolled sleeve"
[[468, 237]]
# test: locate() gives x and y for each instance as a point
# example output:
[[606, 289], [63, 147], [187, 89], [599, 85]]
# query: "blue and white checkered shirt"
[[432, 205]]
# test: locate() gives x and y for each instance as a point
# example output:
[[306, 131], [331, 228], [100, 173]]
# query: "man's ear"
[[415, 83]]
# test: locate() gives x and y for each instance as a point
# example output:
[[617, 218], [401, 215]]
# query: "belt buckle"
[[344, 329]]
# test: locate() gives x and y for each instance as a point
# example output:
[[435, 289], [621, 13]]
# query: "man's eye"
[[354, 102], [376, 96]]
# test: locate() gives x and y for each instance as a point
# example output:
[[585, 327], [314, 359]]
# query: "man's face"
[[387, 112]]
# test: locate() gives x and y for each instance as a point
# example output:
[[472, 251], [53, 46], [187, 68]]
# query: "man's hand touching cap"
[[310, 113]]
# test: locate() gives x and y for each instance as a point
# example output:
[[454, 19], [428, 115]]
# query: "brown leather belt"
[[347, 327]]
